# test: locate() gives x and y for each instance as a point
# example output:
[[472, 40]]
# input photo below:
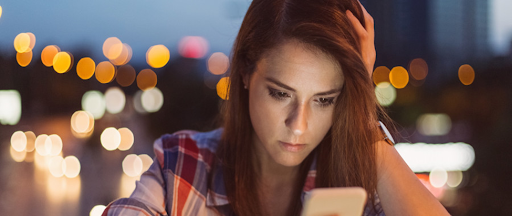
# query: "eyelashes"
[[280, 95]]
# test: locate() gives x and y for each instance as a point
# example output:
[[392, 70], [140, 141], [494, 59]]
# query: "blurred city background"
[[87, 86]]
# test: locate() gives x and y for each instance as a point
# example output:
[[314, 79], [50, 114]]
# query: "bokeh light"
[[386, 93], [41, 141], [10, 107], [454, 178], [146, 79], [434, 124], [132, 165], [57, 166], [381, 74], [105, 72], [466, 74], [82, 123], [137, 102], [22, 43], [218, 63], [110, 138], [0, 11], [146, 162], [24, 58], [152, 100], [399, 77], [125, 75], [222, 88], [48, 54], [55, 148], [115, 100], [97, 210], [31, 141], [32, 41], [127, 139], [438, 177], [112, 47], [124, 57], [62, 62], [193, 47], [19, 141], [157, 56], [94, 103], [422, 157], [85, 68], [418, 68], [17, 156], [72, 167]]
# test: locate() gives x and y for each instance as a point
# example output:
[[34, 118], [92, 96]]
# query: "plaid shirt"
[[176, 183]]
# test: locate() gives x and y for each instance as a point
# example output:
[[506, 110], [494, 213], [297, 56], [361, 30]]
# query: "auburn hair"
[[348, 150]]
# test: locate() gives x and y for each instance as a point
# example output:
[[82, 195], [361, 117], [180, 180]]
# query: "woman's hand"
[[366, 38]]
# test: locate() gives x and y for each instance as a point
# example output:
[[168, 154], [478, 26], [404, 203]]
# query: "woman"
[[301, 114]]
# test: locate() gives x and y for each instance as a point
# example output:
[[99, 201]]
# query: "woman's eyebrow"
[[272, 80]]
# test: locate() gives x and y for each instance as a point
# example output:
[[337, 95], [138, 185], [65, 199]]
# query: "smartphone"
[[342, 201]]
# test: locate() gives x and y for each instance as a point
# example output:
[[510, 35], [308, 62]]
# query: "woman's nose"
[[297, 121]]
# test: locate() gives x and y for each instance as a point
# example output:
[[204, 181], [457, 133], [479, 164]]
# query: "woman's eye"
[[326, 101], [277, 94]]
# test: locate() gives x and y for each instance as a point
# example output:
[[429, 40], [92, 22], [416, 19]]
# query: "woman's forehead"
[[297, 64]]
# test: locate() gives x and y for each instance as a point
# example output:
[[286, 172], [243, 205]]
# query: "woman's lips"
[[292, 147]]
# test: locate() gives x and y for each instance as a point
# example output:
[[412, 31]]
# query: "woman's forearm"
[[400, 191]]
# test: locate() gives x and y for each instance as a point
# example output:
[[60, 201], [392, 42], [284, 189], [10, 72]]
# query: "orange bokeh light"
[[146, 79], [112, 48], [223, 88], [24, 59], [157, 56], [466, 74], [62, 62], [48, 54], [399, 77], [418, 68], [85, 68], [125, 75], [105, 72], [380, 74]]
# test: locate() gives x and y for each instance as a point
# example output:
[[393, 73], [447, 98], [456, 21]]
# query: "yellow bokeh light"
[[40, 144], [418, 68], [57, 166], [125, 75], [466, 74], [55, 146], [19, 141], [112, 47], [22, 43], [146, 79], [82, 122], [399, 77], [132, 165], [48, 54], [110, 138], [218, 63], [223, 88], [454, 178], [85, 68], [0, 11], [157, 56], [126, 139], [105, 72], [24, 59], [124, 57], [17, 156], [72, 167], [146, 161], [31, 141], [380, 74], [62, 62]]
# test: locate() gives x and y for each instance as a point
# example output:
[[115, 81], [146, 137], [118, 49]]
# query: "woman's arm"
[[400, 191]]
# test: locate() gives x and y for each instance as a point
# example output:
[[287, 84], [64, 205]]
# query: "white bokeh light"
[[19, 141], [132, 165], [386, 93], [94, 103], [152, 100], [110, 138], [10, 107], [115, 100], [422, 157]]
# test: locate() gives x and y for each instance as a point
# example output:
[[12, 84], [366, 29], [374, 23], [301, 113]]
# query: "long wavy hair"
[[348, 156]]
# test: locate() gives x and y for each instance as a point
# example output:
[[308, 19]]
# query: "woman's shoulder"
[[187, 144]]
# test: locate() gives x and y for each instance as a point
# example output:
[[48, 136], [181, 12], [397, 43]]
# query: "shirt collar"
[[218, 196]]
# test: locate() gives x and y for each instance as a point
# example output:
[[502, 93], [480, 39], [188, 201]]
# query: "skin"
[[291, 99]]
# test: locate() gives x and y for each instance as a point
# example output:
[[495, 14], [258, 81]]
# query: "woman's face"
[[291, 101]]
